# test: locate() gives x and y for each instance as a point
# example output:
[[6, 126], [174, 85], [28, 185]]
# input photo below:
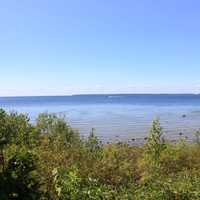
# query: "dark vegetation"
[[49, 160]]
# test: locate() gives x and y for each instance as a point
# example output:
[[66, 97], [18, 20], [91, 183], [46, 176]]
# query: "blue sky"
[[63, 47]]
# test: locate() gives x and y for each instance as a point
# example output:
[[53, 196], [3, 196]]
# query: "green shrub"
[[20, 178], [85, 168], [56, 128], [155, 142]]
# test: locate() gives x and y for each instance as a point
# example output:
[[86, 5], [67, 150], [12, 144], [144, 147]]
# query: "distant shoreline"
[[99, 94]]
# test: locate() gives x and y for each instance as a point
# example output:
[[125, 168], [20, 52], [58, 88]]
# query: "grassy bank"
[[49, 160]]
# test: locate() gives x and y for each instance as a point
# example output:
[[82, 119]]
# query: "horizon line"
[[97, 94]]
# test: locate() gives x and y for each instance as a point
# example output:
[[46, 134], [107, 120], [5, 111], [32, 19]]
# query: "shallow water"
[[117, 117]]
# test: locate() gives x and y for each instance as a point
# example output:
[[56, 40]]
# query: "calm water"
[[116, 117]]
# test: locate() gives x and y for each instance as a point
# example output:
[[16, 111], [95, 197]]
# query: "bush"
[[49, 160], [20, 178], [56, 128]]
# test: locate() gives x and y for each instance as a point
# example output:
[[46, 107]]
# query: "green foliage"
[[4, 129], [183, 186], [67, 184], [93, 145], [56, 128], [155, 143], [20, 179], [15, 128], [197, 138], [118, 165], [49, 160]]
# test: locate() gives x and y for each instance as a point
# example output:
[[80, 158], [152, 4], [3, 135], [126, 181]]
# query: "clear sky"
[[61, 47]]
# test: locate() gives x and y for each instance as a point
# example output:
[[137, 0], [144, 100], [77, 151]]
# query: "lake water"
[[116, 117]]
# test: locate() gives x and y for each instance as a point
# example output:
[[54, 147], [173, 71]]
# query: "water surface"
[[116, 117]]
